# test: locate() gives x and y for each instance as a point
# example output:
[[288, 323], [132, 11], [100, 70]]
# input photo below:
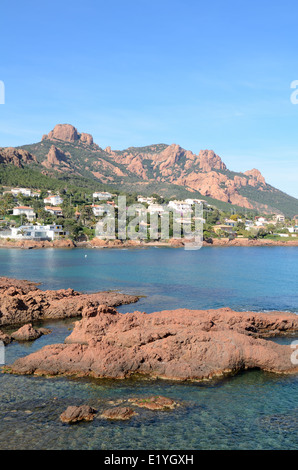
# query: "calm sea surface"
[[253, 410]]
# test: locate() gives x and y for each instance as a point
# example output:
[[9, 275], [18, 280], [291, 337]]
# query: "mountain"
[[168, 170]]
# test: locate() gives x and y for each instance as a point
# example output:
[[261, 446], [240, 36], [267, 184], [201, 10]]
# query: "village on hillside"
[[35, 214]]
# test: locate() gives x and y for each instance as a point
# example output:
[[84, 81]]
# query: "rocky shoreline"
[[22, 302], [181, 345], [103, 244]]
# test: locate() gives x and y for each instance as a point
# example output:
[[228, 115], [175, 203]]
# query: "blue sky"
[[213, 75]]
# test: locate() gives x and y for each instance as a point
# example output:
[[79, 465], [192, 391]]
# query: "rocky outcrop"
[[5, 338], [56, 157], [75, 414], [252, 242], [158, 403], [28, 333], [68, 133], [16, 157], [179, 345], [255, 177], [204, 172], [118, 414], [30, 244], [22, 302], [209, 161]]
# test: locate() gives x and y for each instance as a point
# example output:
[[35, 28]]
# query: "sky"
[[205, 75]]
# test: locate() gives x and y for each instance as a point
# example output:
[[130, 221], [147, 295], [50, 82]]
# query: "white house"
[[24, 191], [53, 200], [146, 200], [102, 196], [24, 210], [260, 221], [279, 218], [31, 232], [230, 222], [180, 206], [54, 210], [249, 223], [98, 210], [156, 209], [194, 201]]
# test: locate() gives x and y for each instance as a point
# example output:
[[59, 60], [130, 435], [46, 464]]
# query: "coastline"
[[103, 244]]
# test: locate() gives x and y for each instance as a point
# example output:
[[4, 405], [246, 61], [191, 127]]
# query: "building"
[[38, 232], [260, 221], [180, 206], [57, 211], [249, 224], [224, 228], [53, 200], [194, 201], [156, 209], [24, 191], [26, 211], [98, 210], [230, 222], [146, 200], [102, 196], [279, 218]]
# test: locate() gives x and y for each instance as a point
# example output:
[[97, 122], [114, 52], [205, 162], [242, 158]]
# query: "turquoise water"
[[253, 410]]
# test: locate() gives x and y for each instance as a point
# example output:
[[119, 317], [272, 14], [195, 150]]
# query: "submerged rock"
[[178, 344], [158, 403], [75, 414], [119, 413]]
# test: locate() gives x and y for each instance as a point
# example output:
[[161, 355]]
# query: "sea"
[[250, 410]]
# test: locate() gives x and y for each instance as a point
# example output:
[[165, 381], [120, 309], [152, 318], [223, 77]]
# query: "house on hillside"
[[26, 211], [180, 206], [37, 232], [53, 200], [102, 196], [230, 222], [224, 228], [24, 191], [57, 211], [260, 221], [98, 210], [279, 218]]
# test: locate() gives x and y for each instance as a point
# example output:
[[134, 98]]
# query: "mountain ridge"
[[158, 166]]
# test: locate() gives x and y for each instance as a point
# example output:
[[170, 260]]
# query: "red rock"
[[6, 339], [68, 133], [26, 333], [180, 345], [75, 414], [16, 157], [118, 413], [22, 301], [158, 403]]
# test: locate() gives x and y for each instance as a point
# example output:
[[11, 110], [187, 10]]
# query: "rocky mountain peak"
[[68, 133], [208, 160], [256, 175]]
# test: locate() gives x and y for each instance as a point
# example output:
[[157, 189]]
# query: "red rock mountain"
[[68, 133], [168, 170], [16, 157]]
